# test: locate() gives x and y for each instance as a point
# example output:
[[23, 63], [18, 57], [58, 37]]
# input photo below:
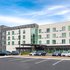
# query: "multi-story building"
[[54, 36], [25, 34], [3, 37]]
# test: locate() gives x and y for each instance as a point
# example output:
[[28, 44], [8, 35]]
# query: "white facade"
[[48, 34], [10, 38], [60, 32]]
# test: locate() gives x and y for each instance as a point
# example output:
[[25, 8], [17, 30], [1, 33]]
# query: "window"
[[18, 42], [23, 42], [68, 28], [54, 29], [53, 41], [8, 33], [69, 34], [48, 30], [19, 37], [12, 32], [39, 36], [63, 28], [13, 38], [69, 41], [9, 38], [48, 41], [48, 35], [40, 42], [3, 38], [3, 43], [54, 35], [3, 33], [12, 42], [63, 35], [23, 31], [8, 43], [63, 41], [23, 36], [40, 30]]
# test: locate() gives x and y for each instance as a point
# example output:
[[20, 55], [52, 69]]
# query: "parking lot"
[[17, 63]]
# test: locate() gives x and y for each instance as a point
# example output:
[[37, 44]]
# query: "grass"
[[25, 53]]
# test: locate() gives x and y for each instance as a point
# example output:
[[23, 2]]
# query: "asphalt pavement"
[[17, 63]]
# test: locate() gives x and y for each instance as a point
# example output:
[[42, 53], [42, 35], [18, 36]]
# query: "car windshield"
[[68, 51], [41, 51], [37, 51], [57, 52], [65, 52], [33, 52]]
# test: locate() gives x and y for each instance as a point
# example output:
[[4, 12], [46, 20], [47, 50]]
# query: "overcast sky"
[[20, 12]]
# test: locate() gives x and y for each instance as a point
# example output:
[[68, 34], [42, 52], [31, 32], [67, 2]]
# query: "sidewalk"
[[43, 57], [38, 57]]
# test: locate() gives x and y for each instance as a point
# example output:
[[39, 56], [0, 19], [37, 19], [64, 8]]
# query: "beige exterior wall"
[[58, 33], [43, 33]]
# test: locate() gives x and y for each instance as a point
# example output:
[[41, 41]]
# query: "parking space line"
[[28, 60], [41, 61], [15, 59], [57, 62]]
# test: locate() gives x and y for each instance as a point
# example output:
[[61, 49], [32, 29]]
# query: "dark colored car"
[[15, 53], [56, 53], [7, 52], [3, 53], [40, 53]]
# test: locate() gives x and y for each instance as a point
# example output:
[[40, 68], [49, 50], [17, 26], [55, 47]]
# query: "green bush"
[[25, 53]]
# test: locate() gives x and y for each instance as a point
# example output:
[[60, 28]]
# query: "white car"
[[65, 53], [32, 53]]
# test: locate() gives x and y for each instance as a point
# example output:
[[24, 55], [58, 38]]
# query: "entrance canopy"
[[33, 46]]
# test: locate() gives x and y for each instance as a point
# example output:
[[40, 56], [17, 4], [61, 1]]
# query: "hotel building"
[[25, 34], [54, 36]]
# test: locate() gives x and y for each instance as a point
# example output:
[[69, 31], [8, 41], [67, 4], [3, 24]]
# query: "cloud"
[[63, 12], [14, 20], [42, 22], [47, 14], [67, 17], [55, 7], [50, 11]]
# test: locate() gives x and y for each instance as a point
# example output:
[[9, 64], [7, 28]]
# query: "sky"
[[21, 12]]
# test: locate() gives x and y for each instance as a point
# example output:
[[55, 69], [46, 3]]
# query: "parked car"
[[3, 53], [15, 53], [41, 53], [56, 53], [32, 53], [7, 52], [38, 53], [65, 53]]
